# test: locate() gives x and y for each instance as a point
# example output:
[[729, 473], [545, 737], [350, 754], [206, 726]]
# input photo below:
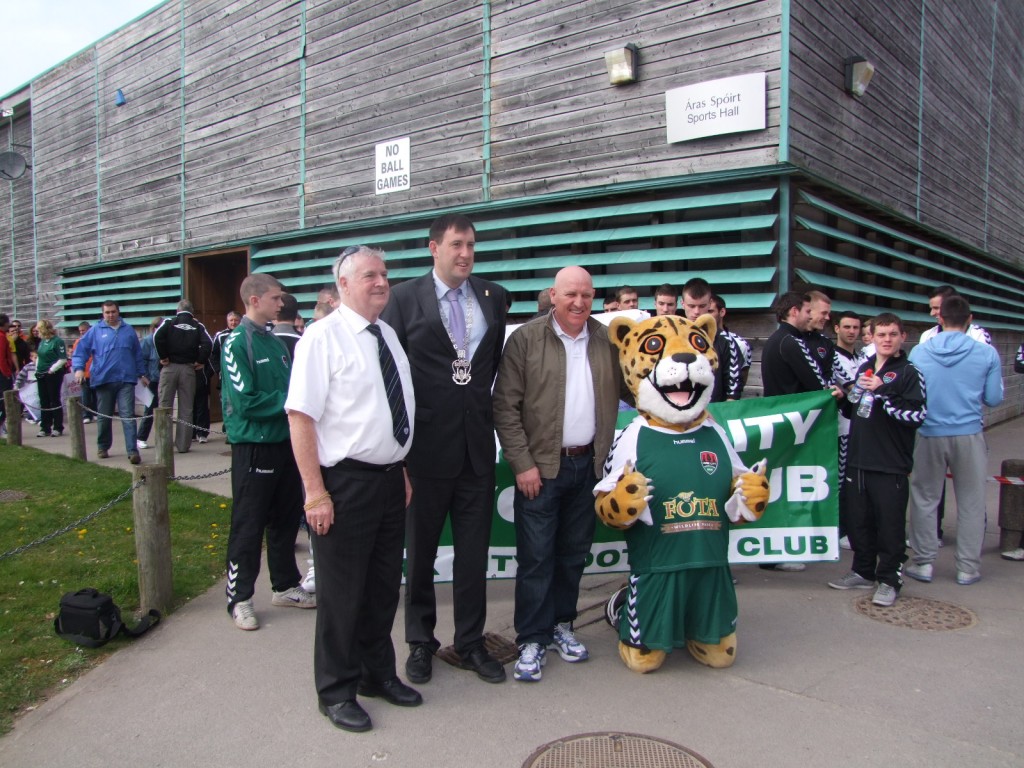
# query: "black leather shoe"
[[347, 715], [393, 691], [486, 668], [418, 665]]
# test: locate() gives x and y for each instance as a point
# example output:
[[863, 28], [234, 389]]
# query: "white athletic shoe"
[[245, 616], [296, 597], [309, 583], [568, 647], [141, 445], [529, 667]]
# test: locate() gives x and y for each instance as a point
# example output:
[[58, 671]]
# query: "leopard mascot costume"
[[674, 482]]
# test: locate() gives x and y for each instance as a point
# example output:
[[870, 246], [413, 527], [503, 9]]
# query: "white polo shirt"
[[336, 381]]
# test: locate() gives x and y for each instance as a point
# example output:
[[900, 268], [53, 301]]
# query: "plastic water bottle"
[[867, 400], [857, 392]]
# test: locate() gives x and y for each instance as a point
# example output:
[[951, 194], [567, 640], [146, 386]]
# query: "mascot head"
[[669, 365]]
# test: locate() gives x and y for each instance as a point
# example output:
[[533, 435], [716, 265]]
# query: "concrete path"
[[816, 682]]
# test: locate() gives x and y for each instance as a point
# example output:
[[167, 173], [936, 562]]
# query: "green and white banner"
[[797, 434]]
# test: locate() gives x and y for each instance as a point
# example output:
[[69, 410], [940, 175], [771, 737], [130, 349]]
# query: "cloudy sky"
[[39, 34]]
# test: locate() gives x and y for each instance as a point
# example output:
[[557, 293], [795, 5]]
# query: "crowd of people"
[[374, 425]]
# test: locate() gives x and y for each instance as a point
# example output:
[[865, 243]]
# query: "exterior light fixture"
[[119, 99], [859, 72], [623, 64]]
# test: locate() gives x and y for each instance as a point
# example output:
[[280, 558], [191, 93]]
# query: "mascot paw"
[[718, 656], [627, 502], [640, 659], [750, 495]]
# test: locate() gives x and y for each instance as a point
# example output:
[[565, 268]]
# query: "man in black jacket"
[[452, 327], [885, 408], [184, 347]]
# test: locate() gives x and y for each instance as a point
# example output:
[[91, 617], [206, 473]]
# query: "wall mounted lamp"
[[119, 99], [859, 72], [623, 64]]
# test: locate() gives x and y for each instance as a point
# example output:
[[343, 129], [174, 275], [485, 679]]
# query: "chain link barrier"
[[99, 415], [206, 476], [72, 526]]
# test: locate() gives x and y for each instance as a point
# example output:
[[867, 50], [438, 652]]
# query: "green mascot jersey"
[[680, 587]]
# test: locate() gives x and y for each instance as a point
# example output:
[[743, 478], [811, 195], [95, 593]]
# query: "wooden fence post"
[[153, 538], [76, 428], [163, 435], [12, 407]]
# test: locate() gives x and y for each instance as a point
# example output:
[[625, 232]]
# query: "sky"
[[39, 34]]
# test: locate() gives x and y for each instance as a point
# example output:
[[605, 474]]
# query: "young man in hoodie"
[[962, 376], [883, 421]]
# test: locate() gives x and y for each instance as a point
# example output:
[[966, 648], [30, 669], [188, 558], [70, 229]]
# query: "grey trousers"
[[179, 379], [967, 458]]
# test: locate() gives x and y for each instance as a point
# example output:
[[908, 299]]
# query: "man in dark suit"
[[452, 327]]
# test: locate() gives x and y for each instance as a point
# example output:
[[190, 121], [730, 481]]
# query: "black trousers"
[[469, 500], [267, 498], [51, 417], [876, 508], [358, 577]]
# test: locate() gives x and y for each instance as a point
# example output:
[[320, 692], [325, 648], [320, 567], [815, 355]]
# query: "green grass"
[[34, 662]]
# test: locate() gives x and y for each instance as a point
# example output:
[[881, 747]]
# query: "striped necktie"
[[392, 386]]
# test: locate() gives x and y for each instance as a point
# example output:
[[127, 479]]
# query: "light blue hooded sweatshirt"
[[960, 375]]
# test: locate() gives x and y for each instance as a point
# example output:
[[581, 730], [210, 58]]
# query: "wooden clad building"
[[209, 138]]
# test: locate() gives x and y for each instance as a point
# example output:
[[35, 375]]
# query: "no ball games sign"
[[392, 166], [729, 105]]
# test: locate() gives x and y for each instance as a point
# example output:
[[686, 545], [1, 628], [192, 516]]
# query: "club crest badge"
[[822, 352], [709, 460], [889, 377]]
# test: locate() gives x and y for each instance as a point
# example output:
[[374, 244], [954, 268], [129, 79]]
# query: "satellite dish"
[[12, 166]]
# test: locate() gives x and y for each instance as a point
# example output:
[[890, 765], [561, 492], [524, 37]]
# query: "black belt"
[[577, 450], [365, 467]]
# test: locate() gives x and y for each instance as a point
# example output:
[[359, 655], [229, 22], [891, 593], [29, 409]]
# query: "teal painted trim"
[[90, 301], [867, 310], [735, 301], [181, 89], [486, 116], [784, 55], [865, 222], [99, 174], [988, 127], [652, 279], [302, 119], [102, 289], [920, 115], [785, 225], [942, 273], [691, 253], [145, 264]]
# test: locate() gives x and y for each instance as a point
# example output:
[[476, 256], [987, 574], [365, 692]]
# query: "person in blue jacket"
[[117, 364]]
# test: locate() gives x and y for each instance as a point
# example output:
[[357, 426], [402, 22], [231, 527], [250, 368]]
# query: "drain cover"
[[918, 613], [7, 495], [614, 750], [503, 651]]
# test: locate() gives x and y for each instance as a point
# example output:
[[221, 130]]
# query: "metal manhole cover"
[[614, 750], [8, 495], [503, 651], [918, 613]]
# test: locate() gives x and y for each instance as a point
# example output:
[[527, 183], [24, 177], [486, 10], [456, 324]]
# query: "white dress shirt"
[[336, 381], [579, 424]]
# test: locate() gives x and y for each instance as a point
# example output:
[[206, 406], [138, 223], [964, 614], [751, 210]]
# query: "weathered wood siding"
[[17, 254], [139, 145], [384, 70], [919, 142], [558, 124], [242, 104]]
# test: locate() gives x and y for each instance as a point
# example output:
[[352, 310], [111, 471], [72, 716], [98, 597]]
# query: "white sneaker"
[[309, 583], [568, 647], [141, 445], [851, 580], [296, 597], [201, 439], [1013, 554], [529, 667], [844, 543], [245, 616], [790, 567], [921, 572], [885, 595]]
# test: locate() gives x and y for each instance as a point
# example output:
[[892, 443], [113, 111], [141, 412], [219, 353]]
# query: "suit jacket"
[[452, 421]]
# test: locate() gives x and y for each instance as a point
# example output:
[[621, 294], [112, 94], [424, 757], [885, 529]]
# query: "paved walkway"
[[816, 682]]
